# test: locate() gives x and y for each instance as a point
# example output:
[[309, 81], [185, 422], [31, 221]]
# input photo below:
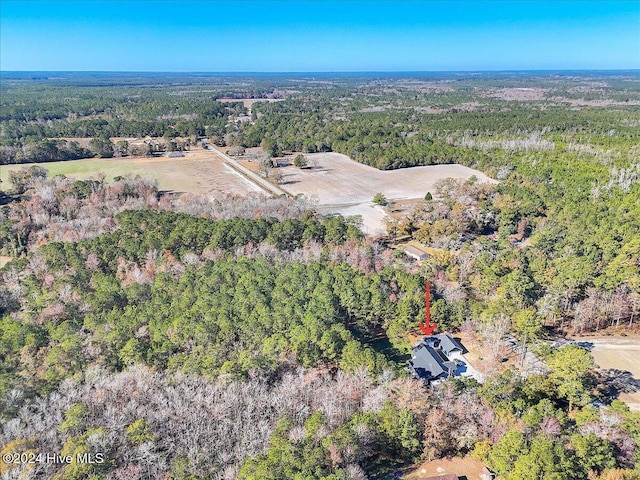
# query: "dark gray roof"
[[430, 356], [448, 343], [428, 363]]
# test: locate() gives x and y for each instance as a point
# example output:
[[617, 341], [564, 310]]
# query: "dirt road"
[[260, 182]]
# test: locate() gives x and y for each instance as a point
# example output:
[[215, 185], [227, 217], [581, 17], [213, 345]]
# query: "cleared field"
[[339, 184], [197, 172], [465, 467], [339, 180], [623, 354], [373, 216], [344, 186]]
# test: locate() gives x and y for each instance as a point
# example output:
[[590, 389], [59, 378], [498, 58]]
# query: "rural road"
[[625, 343], [256, 179]]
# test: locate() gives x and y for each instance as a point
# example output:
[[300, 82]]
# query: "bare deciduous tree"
[[492, 331], [216, 425]]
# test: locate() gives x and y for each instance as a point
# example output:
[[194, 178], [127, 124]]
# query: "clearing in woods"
[[465, 467], [339, 180], [621, 356], [196, 172], [342, 185], [339, 184]]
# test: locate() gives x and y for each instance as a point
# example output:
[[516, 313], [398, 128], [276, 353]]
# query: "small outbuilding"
[[415, 253]]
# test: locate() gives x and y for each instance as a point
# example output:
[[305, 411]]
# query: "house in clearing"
[[176, 154], [415, 253], [436, 357]]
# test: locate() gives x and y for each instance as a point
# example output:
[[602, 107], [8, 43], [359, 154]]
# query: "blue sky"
[[268, 36]]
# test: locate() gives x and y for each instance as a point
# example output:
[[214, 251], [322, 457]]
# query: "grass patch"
[[111, 167]]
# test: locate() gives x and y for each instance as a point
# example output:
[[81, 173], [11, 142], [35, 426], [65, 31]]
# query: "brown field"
[[462, 467], [337, 183], [344, 186], [4, 260], [198, 172], [340, 180], [620, 353]]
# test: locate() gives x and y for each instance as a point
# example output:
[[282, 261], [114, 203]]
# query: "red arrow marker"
[[427, 327]]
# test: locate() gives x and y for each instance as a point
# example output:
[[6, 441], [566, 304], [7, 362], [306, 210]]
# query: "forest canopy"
[[159, 327]]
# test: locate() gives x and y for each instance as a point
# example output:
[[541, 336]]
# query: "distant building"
[[276, 163], [415, 253], [174, 154], [436, 357]]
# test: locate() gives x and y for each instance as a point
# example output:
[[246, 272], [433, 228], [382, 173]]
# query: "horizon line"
[[266, 72]]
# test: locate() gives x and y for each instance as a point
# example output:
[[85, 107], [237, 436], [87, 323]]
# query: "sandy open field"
[[344, 186], [197, 172], [623, 354], [373, 216], [463, 467], [340, 180], [337, 183]]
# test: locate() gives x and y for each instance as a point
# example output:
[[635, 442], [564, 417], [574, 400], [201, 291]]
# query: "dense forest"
[[272, 326], [190, 337]]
